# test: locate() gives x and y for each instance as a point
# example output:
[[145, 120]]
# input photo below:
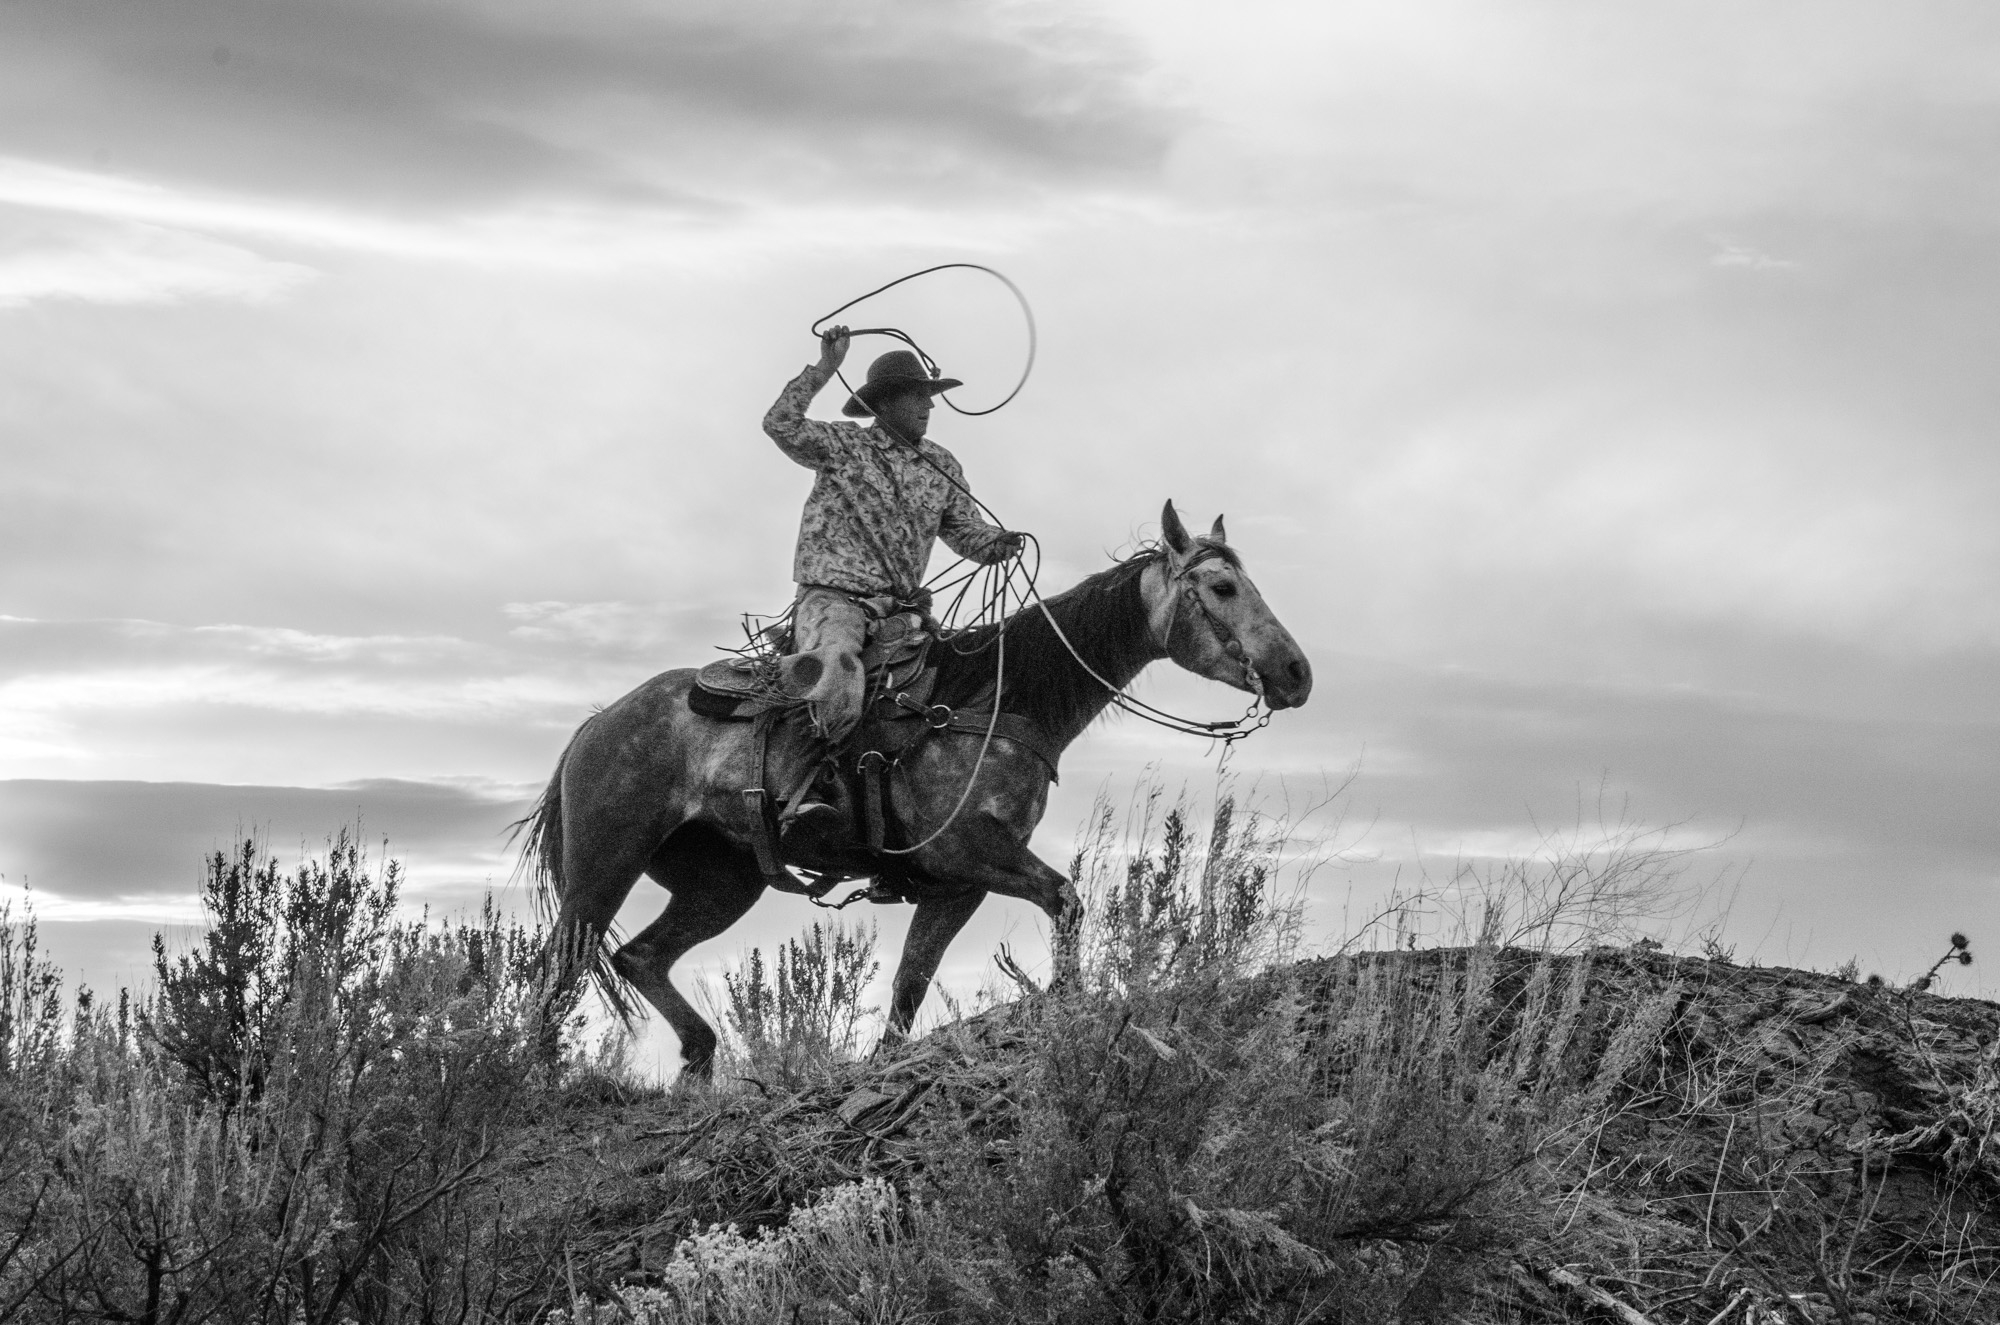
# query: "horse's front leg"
[[933, 927], [989, 854]]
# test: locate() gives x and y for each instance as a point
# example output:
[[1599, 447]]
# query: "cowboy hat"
[[898, 370]]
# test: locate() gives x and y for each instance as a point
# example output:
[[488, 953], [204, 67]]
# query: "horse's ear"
[[1217, 533], [1173, 532]]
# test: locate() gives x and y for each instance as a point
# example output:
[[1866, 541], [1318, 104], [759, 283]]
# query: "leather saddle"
[[769, 692], [894, 659]]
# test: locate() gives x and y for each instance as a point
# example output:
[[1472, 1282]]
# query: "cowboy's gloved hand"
[[832, 349], [1009, 545]]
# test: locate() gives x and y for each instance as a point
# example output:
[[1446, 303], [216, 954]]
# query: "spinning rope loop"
[[930, 364]]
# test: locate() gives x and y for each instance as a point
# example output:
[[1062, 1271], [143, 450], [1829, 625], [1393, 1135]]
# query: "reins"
[[1228, 731]]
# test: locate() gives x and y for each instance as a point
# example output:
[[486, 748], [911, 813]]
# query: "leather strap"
[[872, 771], [1013, 727], [764, 821], [973, 722]]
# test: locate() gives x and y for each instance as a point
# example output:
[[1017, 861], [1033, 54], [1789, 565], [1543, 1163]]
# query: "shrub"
[[805, 1011], [1341, 1143], [31, 1005], [305, 1129], [1198, 1132], [1164, 900], [278, 952], [335, 1116], [858, 1252], [31, 1063]]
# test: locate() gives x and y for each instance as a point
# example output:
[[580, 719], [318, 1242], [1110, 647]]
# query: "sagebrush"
[[305, 1126], [327, 1113]]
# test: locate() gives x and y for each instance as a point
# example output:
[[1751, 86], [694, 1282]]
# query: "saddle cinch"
[[769, 691]]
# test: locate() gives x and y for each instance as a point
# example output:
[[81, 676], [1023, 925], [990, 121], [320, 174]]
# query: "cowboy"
[[883, 494]]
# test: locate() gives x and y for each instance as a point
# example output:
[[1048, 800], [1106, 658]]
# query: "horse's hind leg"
[[713, 886], [596, 885]]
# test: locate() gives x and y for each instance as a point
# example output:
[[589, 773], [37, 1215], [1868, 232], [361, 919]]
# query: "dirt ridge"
[[1794, 1146]]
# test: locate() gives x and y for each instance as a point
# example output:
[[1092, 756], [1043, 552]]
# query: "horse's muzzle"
[[1287, 684]]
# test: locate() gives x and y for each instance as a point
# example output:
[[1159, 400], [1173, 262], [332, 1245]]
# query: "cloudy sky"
[[1602, 394]]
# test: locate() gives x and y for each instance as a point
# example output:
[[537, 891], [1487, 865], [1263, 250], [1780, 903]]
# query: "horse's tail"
[[587, 953]]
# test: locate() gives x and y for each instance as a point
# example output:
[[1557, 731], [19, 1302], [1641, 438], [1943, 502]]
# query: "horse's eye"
[[1223, 590]]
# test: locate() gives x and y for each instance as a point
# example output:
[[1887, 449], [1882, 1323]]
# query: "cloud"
[[1496, 750], [1449, 112], [1865, 830], [122, 662], [447, 109], [1728, 253], [76, 694], [1472, 308], [127, 206], [624, 628], [38, 647], [135, 849], [1850, 810], [48, 256]]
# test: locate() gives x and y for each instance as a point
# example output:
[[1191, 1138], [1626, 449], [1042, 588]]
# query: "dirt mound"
[[1618, 1135]]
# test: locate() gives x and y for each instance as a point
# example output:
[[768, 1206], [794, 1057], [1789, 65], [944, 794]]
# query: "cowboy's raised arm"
[[808, 441], [966, 532]]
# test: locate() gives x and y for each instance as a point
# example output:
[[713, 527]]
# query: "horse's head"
[[1208, 616]]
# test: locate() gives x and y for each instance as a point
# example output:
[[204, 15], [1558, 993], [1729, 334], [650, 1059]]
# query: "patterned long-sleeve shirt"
[[876, 506]]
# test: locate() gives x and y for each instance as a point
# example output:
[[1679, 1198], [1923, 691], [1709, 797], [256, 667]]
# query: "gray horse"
[[647, 786]]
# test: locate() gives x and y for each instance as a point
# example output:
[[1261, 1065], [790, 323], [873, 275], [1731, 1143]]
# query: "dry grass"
[[325, 1116], [303, 1127]]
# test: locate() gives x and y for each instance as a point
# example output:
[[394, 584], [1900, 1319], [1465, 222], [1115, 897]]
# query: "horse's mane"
[[1103, 615]]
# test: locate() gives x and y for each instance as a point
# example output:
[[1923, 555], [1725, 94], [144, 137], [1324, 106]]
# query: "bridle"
[[1255, 718], [1189, 593], [1186, 592]]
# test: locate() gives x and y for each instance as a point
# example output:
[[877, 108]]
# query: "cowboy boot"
[[834, 687]]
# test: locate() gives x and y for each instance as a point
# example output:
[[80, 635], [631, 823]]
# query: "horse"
[[647, 786]]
